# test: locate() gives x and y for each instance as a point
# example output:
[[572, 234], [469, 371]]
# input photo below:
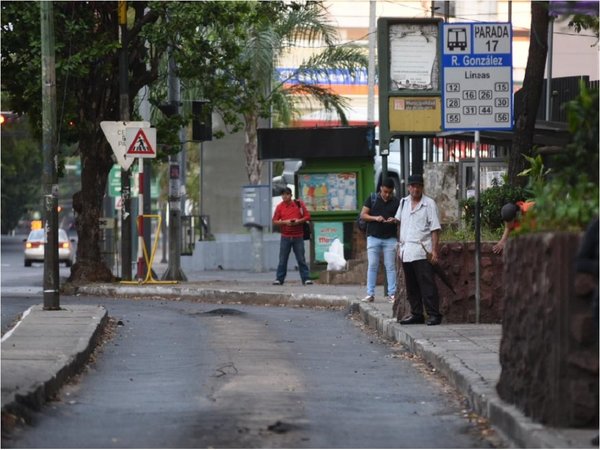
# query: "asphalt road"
[[177, 374], [182, 375], [19, 282]]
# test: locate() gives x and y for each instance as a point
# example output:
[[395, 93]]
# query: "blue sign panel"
[[477, 76]]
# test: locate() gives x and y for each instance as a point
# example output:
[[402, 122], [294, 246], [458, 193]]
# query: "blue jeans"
[[374, 247], [285, 246]]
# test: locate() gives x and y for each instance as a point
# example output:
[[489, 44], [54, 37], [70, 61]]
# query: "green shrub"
[[567, 198], [452, 233], [491, 201], [563, 206], [581, 156]]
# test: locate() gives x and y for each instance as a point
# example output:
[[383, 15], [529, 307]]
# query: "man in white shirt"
[[419, 236]]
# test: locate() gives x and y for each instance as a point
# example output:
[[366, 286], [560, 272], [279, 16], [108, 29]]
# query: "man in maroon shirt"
[[290, 217]]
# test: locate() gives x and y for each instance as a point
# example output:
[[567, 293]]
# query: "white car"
[[34, 247]]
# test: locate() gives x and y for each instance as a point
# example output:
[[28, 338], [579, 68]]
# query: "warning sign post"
[[141, 142], [116, 134]]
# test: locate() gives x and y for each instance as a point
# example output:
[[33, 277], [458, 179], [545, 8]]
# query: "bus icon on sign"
[[457, 37]]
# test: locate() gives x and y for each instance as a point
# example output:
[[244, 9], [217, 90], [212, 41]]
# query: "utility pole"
[[371, 69], [174, 271], [50, 177], [125, 174]]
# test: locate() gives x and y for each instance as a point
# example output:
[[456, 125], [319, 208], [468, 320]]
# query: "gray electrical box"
[[256, 205]]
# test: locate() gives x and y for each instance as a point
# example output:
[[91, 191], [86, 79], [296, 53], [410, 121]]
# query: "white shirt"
[[416, 225]]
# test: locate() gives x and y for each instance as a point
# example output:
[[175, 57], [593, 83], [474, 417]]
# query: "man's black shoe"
[[434, 321], [409, 320]]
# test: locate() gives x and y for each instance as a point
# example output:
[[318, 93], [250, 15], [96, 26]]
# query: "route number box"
[[477, 88]]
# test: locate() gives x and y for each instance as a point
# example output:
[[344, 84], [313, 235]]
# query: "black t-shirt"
[[386, 209]]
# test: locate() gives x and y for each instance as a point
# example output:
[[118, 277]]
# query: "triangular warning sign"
[[140, 146]]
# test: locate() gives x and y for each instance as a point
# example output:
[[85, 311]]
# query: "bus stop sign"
[[477, 76]]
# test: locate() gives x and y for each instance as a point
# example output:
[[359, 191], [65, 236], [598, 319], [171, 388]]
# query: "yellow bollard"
[[149, 278]]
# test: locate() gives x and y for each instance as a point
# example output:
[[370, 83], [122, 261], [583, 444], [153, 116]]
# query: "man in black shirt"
[[382, 236]]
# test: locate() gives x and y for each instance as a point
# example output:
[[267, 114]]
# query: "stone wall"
[[441, 184], [549, 348], [457, 260]]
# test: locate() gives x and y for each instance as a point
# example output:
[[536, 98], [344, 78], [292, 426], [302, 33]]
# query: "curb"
[[212, 295]]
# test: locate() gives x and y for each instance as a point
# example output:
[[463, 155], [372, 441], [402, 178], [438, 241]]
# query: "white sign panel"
[[477, 88], [413, 50], [141, 142], [117, 138]]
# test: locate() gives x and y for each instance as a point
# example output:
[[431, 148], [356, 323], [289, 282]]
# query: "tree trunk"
[[527, 99], [253, 166], [87, 203], [99, 100]]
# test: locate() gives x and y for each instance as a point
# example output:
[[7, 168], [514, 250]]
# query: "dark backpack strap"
[[373, 199], [402, 201]]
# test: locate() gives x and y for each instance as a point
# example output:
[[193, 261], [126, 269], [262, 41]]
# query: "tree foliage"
[[241, 82], [528, 100], [86, 54], [582, 153], [21, 163], [583, 22], [567, 197], [225, 51]]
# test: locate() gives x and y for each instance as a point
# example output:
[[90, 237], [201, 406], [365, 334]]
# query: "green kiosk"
[[335, 179]]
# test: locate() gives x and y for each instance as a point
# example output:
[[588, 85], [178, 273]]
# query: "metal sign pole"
[[477, 229], [125, 173], [140, 221]]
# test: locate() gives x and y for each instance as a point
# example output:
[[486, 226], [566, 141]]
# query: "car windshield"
[[39, 235], [36, 235]]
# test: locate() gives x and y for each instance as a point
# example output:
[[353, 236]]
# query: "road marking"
[[11, 331]]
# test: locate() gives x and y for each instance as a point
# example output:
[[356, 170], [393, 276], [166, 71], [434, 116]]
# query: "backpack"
[[362, 225]]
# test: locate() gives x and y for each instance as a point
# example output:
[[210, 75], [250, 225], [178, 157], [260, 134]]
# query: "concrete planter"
[[549, 350]]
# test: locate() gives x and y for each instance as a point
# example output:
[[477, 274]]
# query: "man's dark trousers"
[[421, 289]]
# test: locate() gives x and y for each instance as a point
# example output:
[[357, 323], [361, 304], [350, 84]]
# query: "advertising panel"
[[325, 233], [328, 191]]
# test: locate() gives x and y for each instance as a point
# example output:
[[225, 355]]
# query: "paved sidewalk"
[[43, 350], [466, 354]]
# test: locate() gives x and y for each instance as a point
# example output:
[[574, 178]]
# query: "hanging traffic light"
[[201, 120], [168, 109]]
